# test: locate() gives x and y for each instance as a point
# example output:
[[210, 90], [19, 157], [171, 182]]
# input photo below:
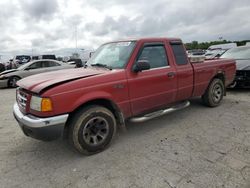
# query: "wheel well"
[[13, 77], [220, 76], [102, 102]]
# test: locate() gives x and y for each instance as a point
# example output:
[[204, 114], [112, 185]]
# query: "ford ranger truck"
[[134, 80]]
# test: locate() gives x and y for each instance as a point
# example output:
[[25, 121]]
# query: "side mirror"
[[141, 65]]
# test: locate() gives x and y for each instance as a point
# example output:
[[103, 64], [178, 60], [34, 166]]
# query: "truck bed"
[[204, 71]]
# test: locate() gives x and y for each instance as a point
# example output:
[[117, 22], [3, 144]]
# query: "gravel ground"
[[195, 147]]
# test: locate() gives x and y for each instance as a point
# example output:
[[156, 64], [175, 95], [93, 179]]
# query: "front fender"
[[90, 97]]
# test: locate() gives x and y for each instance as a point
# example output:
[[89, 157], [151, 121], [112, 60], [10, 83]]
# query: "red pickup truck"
[[124, 80]]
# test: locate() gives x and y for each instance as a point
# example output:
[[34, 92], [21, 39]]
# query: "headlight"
[[2, 77], [41, 104]]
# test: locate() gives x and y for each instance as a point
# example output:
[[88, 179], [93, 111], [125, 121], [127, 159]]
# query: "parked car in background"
[[77, 62], [242, 57], [196, 52], [47, 56], [2, 67], [213, 54], [226, 46], [10, 77], [215, 51], [21, 59], [35, 57]]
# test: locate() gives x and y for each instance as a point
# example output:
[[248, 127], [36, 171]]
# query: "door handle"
[[171, 74]]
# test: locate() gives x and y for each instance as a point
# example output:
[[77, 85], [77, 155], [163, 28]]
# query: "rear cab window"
[[179, 52]]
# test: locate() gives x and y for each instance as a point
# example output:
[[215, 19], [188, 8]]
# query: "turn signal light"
[[46, 105]]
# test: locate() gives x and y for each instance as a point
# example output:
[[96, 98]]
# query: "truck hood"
[[39, 82], [242, 64]]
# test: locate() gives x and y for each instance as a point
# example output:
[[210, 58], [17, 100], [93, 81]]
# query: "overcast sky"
[[47, 25]]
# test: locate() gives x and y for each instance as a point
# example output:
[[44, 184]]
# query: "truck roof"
[[146, 39]]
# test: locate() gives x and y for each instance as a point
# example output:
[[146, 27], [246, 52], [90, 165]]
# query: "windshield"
[[113, 55], [24, 66], [237, 53]]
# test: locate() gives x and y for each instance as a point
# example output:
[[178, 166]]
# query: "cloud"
[[39, 9], [51, 24]]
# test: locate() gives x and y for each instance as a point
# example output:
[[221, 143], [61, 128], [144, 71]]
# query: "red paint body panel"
[[204, 72], [133, 93]]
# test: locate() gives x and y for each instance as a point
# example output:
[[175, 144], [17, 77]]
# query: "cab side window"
[[155, 55], [49, 64], [35, 65], [53, 64]]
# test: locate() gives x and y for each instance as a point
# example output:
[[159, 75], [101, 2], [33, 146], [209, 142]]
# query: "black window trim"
[[176, 42]]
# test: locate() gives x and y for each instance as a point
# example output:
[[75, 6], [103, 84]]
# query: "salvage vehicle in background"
[[215, 51], [76, 62], [242, 58], [19, 60], [214, 54], [2, 67], [134, 80], [9, 78], [47, 56]]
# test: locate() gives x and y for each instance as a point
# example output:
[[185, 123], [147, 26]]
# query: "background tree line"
[[205, 45]]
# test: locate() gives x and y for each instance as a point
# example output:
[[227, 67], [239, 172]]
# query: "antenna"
[[76, 36]]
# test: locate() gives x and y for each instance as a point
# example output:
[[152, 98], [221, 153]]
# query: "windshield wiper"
[[101, 65]]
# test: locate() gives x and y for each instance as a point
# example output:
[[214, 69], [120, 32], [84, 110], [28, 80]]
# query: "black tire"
[[92, 129], [214, 93], [12, 81]]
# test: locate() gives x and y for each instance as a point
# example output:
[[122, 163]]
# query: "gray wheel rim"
[[95, 131], [217, 92], [13, 81]]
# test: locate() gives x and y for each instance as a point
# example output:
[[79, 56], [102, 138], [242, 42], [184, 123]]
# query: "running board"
[[152, 115]]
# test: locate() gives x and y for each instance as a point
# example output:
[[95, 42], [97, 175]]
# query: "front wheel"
[[12, 81], [92, 129], [214, 93]]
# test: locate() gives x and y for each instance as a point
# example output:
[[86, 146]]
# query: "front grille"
[[22, 98]]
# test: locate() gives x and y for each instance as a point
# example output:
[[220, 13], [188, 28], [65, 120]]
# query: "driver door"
[[154, 88]]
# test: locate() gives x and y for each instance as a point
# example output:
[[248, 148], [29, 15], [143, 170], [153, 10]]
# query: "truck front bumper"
[[46, 129]]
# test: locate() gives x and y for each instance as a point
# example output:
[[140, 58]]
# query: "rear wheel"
[[12, 81], [214, 93], [92, 129]]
